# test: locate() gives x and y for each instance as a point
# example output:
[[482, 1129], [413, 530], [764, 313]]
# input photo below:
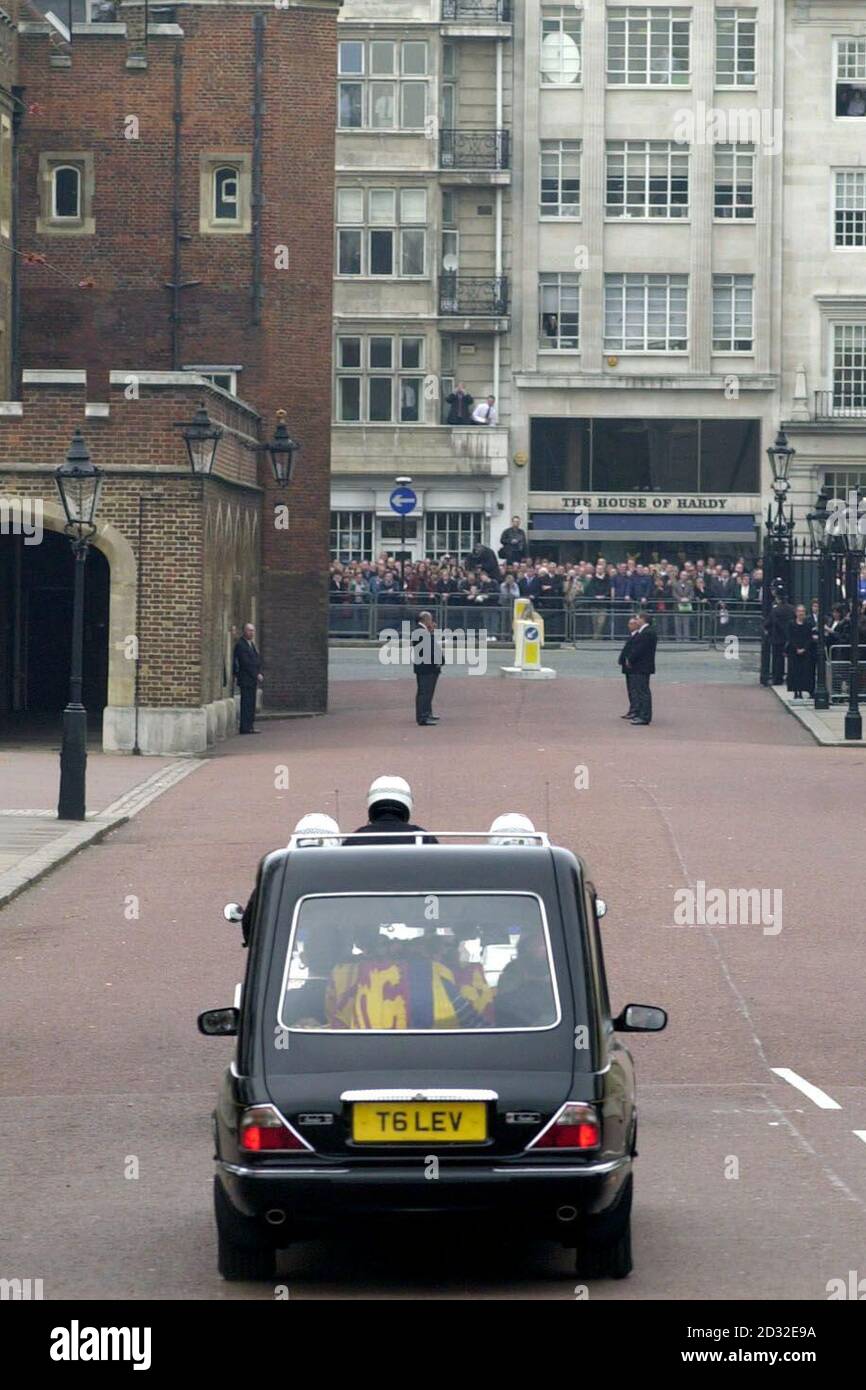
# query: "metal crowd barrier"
[[366, 617], [839, 674]]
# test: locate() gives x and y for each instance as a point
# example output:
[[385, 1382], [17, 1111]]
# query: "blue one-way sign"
[[402, 500]]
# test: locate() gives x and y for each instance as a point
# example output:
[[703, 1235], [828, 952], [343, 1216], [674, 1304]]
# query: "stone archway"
[[122, 603]]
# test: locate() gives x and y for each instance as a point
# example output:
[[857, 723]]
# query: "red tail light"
[[263, 1130], [576, 1126]]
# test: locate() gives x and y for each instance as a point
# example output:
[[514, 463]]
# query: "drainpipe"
[[499, 191], [175, 287], [256, 191], [15, 219]]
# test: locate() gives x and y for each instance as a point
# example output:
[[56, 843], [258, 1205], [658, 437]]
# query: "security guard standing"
[[428, 660]]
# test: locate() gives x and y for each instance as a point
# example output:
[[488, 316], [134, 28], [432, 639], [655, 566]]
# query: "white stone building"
[[641, 227]]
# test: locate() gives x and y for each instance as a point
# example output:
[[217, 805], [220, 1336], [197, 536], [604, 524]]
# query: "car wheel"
[[241, 1254], [605, 1259], [605, 1249]]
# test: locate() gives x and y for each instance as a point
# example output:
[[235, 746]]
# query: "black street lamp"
[[79, 483], [852, 544], [821, 545], [403, 481], [281, 451], [201, 437], [777, 541]]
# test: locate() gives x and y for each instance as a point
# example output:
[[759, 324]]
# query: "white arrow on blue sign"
[[402, 500]]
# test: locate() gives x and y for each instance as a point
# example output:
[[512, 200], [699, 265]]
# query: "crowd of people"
[[795, 637], [600, 594]]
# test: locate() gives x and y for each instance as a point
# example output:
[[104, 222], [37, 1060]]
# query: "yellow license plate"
[[419, 1122]]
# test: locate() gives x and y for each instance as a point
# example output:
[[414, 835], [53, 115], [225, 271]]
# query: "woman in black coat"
[[800, 652]]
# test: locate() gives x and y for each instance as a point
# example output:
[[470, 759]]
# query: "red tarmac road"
[[745, 1188]]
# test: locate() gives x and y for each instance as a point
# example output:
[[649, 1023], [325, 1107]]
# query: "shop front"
[[648, 529], [645, 487]]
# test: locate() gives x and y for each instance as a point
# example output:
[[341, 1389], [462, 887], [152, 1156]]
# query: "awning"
[[626, 526]]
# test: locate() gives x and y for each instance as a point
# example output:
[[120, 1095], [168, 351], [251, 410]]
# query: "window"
[[560, 47], [451, 533], [560, 178], [734, 182], [351, 536], [559, 311], [851, 78], [733, 327], [736, 32], [66, 193], [381, 964], [379, 86], [647, 178], [844, 481], [646, 313], [849, 366], [636, 454], [648, 46], [380, 379], [849, 208], [225, 194], [390, 240], [225, 377]]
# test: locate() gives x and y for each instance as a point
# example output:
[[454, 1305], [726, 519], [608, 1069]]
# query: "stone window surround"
[[833, 309], [209, 162], [49, 160]]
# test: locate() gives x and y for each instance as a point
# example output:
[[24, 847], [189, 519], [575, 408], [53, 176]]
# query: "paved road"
[[103, 1064]]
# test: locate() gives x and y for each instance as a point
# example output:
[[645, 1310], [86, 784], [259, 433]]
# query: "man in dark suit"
[[641, 663], [428, 660], [247, 668], [623, 665], [481, 557], [780, 619]]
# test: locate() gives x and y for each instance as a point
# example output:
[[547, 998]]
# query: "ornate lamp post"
[[777, 541], [852, 543], [202, 438], [79, 483], [281, 451], [823, 548]]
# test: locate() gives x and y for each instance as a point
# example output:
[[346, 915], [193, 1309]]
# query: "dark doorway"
[[36, 585]]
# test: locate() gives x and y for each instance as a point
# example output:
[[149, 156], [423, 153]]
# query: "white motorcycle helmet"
[[513, 829], [389, 792], [316, 829]]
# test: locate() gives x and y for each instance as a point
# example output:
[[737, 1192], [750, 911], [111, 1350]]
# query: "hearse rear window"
[[416, 962]]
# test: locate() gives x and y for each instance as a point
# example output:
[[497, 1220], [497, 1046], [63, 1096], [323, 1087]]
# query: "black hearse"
[[426, 1029]]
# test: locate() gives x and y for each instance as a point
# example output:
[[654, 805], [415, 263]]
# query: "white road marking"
[[861, 1134], [820, 1098]]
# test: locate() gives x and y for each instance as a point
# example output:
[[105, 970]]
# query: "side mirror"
[[600, 908], [219, 1023], [641, 1018], [233, 912]]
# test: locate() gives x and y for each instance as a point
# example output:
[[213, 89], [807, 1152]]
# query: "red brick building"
[[174, 215]]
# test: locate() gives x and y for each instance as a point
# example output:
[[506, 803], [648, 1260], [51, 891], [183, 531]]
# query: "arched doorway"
[[36, 592]]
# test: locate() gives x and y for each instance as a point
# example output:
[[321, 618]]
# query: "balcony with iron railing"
[[476, 11], [849, 404], [473, 296], [474, 151]]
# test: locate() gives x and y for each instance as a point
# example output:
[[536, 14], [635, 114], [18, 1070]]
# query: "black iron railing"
[[474, 149], [468, 295], [485, 11], [840, 405]]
